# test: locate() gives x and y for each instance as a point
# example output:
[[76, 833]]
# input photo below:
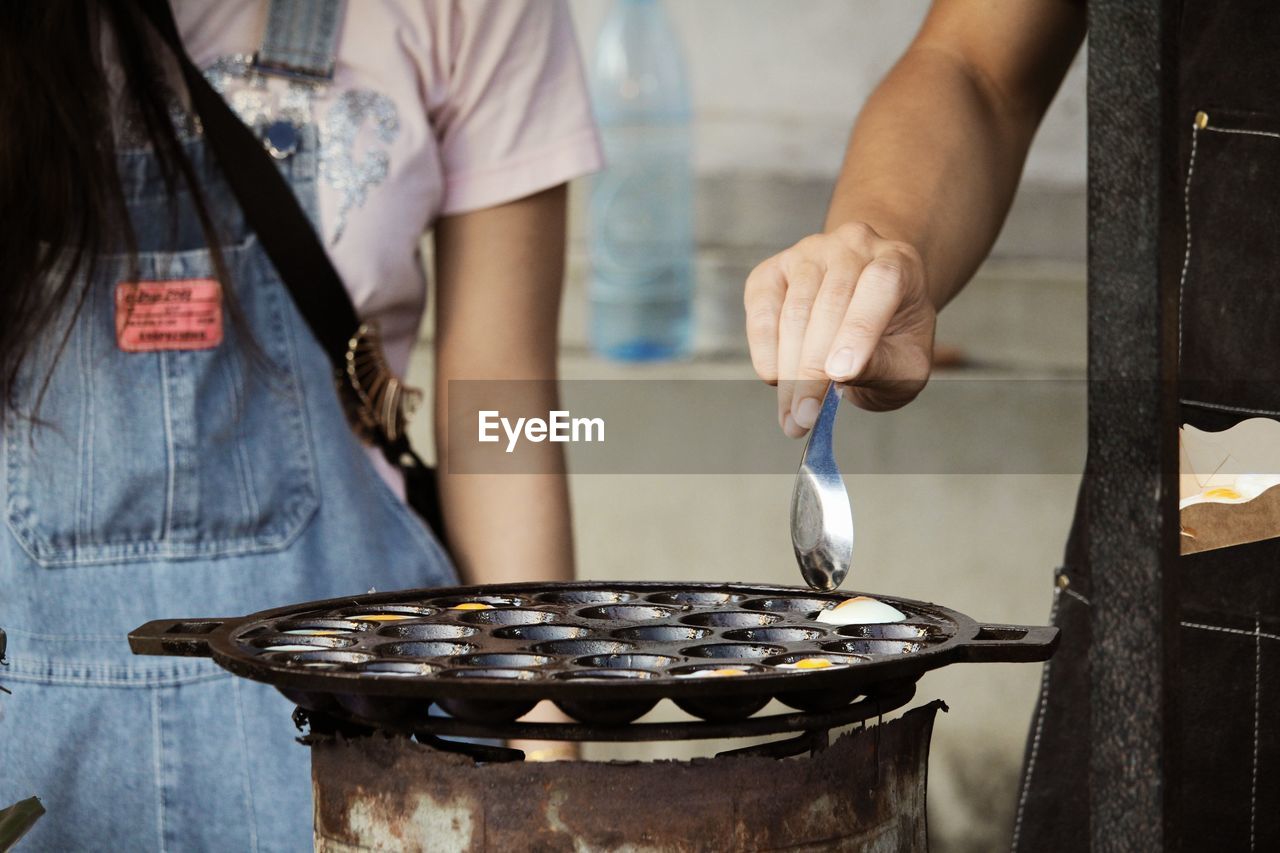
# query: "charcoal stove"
[[370, 674]]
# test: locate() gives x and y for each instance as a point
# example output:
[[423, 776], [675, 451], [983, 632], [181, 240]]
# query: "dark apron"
[[1228, 786]]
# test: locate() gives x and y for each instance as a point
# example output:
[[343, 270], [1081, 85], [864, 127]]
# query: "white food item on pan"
[[861, 610]]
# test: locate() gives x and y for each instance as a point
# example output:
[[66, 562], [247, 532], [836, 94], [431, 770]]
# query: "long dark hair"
[[61, 200]]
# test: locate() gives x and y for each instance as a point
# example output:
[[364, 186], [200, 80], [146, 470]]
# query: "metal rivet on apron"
[[1202, 119], [1063, 581], [281, 139]]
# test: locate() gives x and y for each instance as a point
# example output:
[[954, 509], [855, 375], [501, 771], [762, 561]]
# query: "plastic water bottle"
[[641, 215]]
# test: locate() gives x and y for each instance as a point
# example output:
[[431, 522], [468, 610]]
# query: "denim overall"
[[1228, 182], [211, 482]]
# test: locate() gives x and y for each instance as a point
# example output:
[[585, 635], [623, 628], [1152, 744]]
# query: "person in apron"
[[1228, 141], [222, 477], [951, 124]]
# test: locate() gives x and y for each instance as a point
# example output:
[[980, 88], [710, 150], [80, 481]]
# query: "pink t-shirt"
[[436, 107]]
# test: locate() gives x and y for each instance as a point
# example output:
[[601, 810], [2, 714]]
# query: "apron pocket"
[[169, 454], [1230, 740], [1229, 301]]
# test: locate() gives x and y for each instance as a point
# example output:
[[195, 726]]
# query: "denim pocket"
[[163, 455], [1229, 301]]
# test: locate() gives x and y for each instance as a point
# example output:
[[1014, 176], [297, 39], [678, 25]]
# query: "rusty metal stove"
[[864, 792], [370, 673]]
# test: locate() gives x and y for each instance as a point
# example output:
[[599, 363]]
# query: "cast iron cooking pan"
[[604, 652]]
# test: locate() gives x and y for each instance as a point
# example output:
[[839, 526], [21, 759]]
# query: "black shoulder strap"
[[269, 205]]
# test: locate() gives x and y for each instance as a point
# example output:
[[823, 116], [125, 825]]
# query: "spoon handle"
[[819, 445], [821, 516]]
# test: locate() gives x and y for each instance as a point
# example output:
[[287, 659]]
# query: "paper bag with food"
[[1227, 484]]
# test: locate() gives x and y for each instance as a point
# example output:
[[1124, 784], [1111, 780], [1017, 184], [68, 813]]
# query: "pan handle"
[[184, 637], [1011, 644]]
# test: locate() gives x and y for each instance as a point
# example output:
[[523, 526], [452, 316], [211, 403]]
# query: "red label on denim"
[[168, 315]]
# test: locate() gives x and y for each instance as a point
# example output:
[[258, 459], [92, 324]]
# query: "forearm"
[[508, 527], [934, 162], [499, 274], [927, 180]]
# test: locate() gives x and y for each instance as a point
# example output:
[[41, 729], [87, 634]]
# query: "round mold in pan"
[[382, 613], [604, 674], [800, 605], [495, 672], [696, 598], [663, 633], [508, 661], [735, 651], [487, 710], [582, 648], [893, 631], [322, 658], [605, 712], [874, 647], [628, 612], [416, 650], [541, 633], [731, 619], [396, 669], [506, 616], [297, 643], [720, 707], [317, 660], [426, 631], [836, 659], [818, 700], [625, 660], [784, 634], [692, 670], [318, 627], [824, 698]]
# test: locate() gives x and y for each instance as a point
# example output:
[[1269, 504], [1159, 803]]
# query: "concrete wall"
[[776, 83], [776, 86]]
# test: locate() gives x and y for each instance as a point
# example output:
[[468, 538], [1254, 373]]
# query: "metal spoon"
[[821, 517]]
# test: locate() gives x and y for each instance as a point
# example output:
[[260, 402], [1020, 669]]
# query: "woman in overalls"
[[928, 178], [210, 469]]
